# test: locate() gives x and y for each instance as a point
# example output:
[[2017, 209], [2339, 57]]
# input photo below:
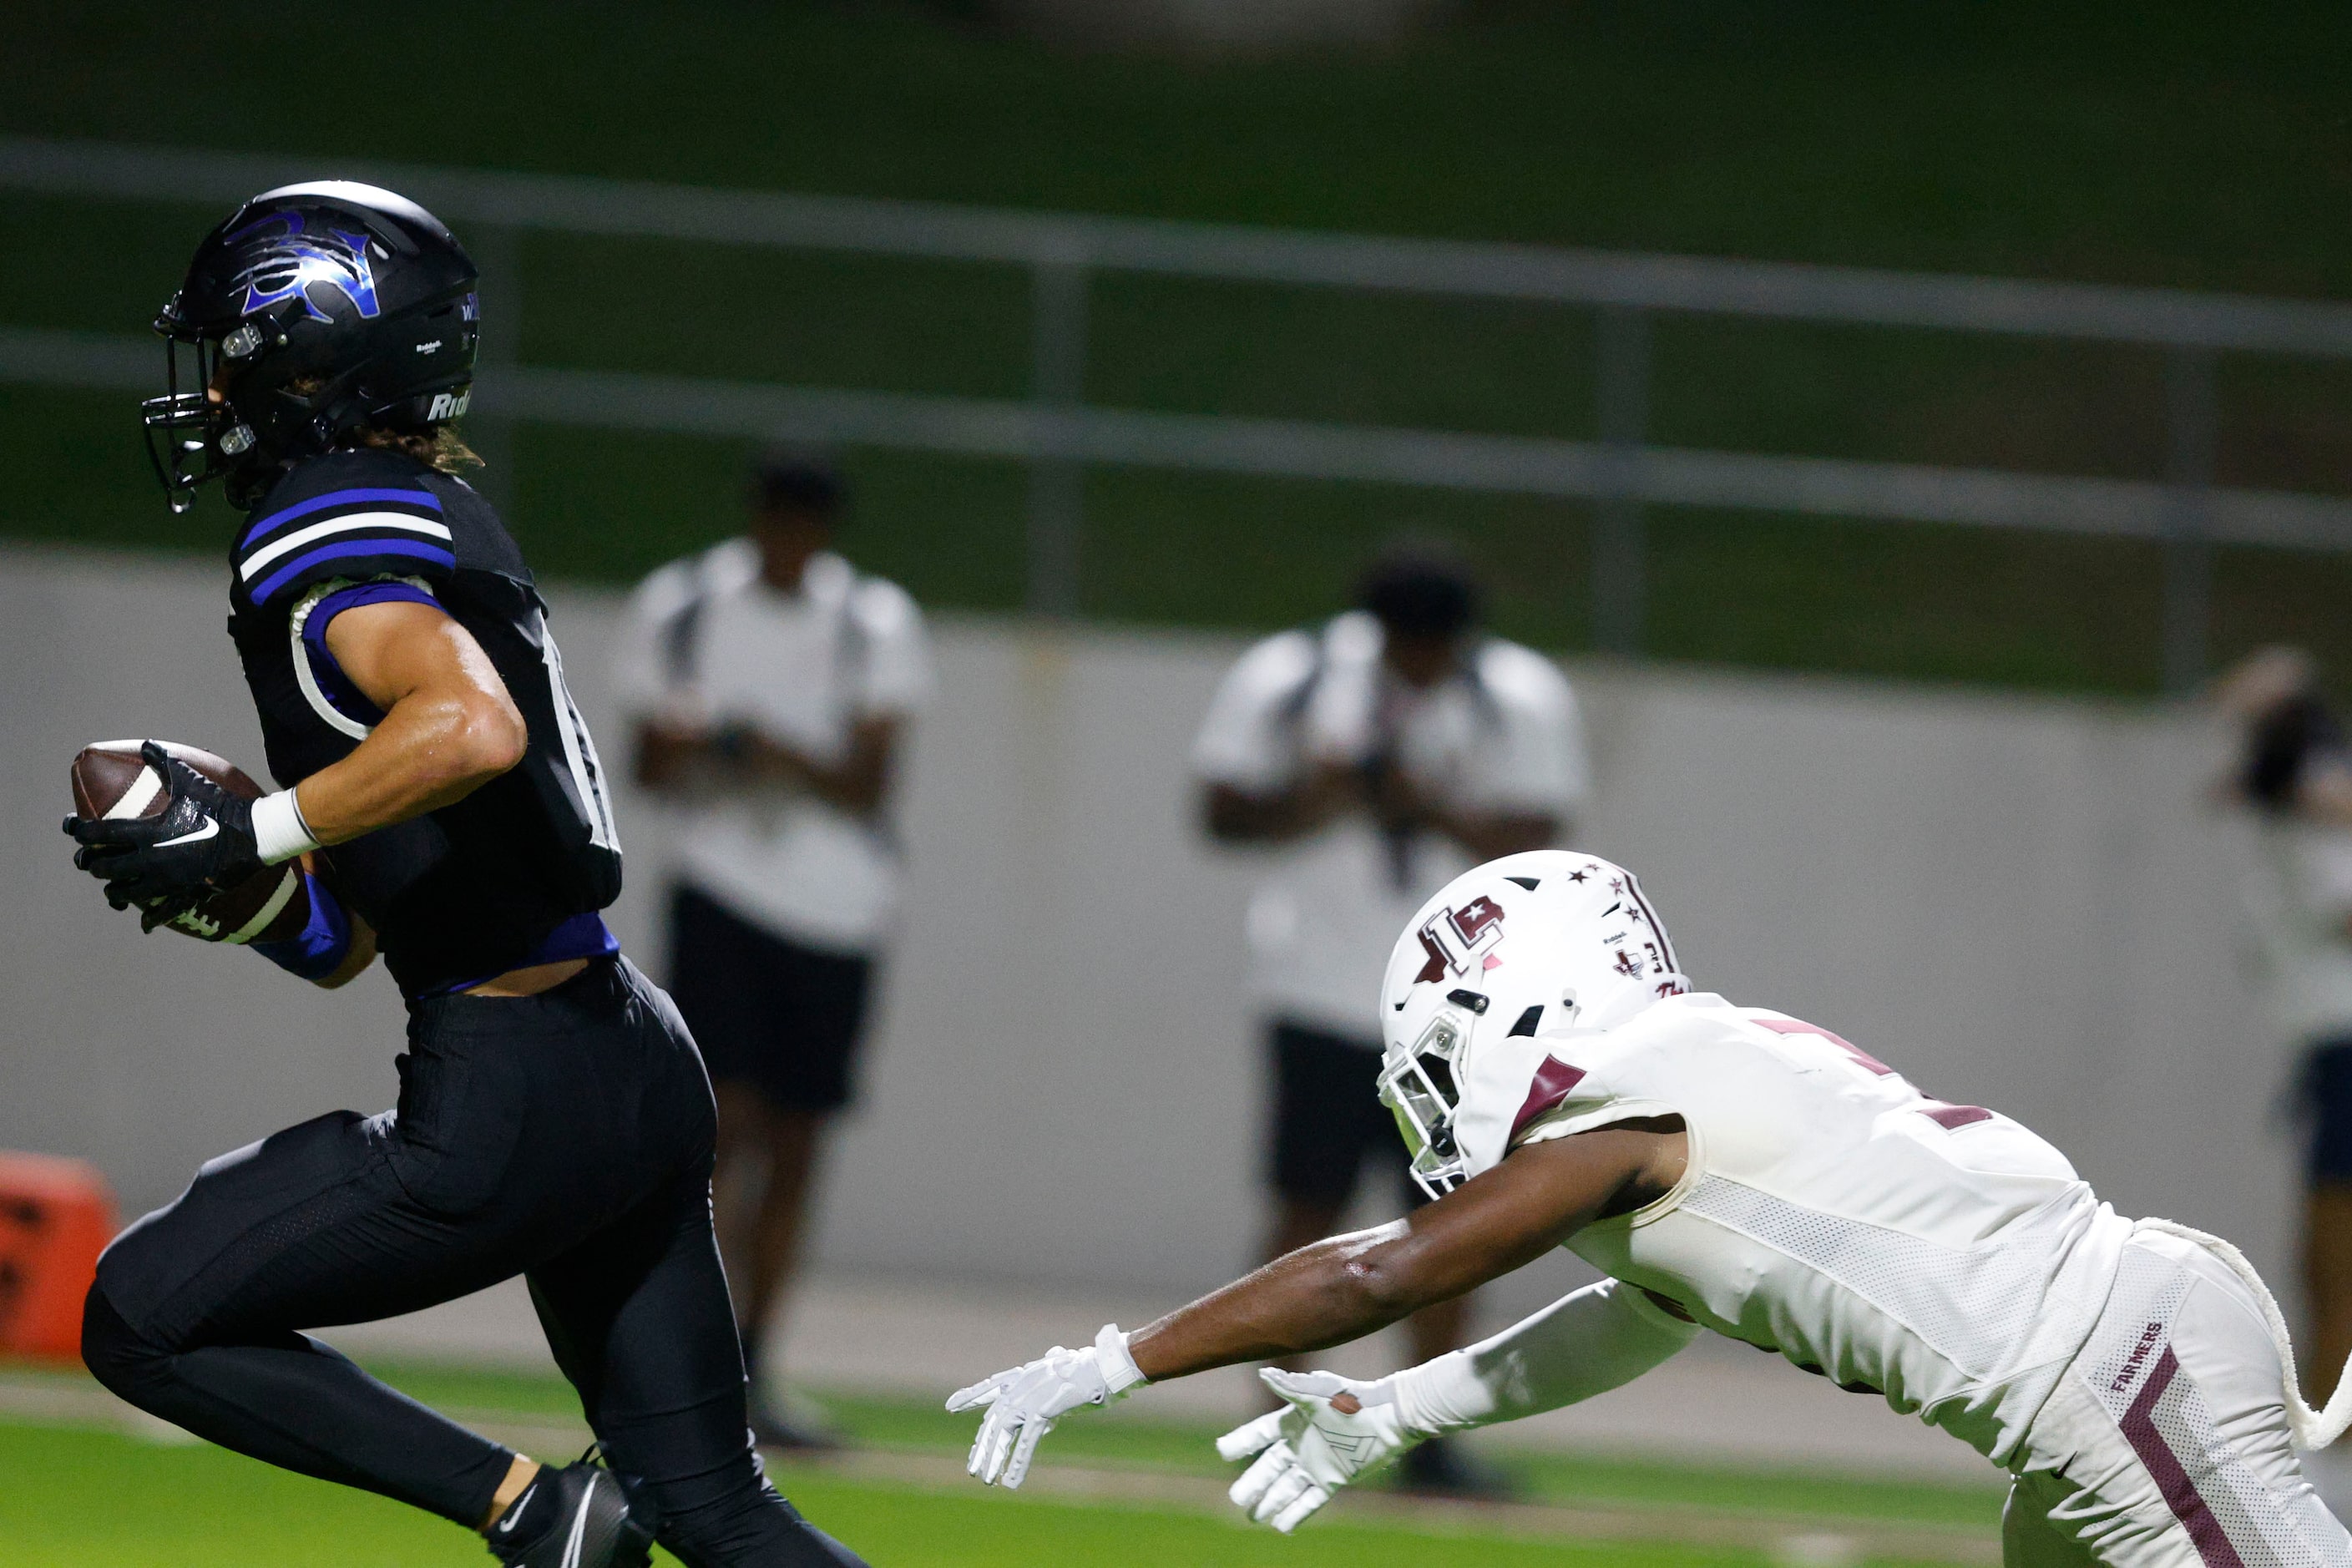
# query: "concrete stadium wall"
[[2020, 902]]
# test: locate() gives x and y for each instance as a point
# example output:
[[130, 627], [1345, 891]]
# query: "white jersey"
[[2299, 897], [708, 642], [1940, 1255], [1502, 735]]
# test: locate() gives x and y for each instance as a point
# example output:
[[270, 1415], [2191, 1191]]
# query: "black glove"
[[201, 841]]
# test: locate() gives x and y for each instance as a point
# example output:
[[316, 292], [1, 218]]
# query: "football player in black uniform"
[[449, 811]]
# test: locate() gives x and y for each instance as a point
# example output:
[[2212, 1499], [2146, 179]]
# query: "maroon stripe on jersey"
[[1555, 1081], [1953, 1117], [2170, 1475], [1790, 1026]]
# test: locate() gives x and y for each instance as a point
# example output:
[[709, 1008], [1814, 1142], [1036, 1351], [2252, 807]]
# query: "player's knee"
[[118, 1355]]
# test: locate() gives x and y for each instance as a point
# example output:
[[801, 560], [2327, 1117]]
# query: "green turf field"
[[1128, 1437], [90, 1499], [93, 1498]]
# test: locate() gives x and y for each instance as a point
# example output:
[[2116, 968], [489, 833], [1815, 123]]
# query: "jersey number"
[[1938, 1111], [579, 747]]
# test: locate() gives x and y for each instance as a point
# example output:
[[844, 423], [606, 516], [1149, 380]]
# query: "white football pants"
[[2165, 1445]]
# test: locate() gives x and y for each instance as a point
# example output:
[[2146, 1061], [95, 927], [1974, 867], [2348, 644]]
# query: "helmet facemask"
[[193, 437], [1417, 1085], [1532, 947]]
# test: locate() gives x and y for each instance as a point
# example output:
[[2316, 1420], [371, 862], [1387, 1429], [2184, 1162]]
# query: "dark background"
[[2166, 144]]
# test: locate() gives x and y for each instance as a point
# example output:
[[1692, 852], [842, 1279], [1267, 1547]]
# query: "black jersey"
[[475, 888]]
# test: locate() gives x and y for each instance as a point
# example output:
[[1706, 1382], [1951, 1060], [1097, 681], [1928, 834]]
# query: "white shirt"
[[1504, 738], [802, 667], [2299, 897], [1941, 1255]]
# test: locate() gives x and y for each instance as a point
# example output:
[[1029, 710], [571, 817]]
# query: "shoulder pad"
[[347, 514]]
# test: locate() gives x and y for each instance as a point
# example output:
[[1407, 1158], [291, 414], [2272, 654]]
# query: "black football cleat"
[[571, 1517]]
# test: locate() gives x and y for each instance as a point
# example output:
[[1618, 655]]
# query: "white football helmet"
[[1539, 942]]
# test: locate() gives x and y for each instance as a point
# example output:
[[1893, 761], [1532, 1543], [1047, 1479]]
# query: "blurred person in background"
[[2293, 772], [1373, 759], [771, 685]]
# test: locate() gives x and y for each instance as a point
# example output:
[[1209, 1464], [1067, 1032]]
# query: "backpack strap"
[[680, 634], [1291, 712]]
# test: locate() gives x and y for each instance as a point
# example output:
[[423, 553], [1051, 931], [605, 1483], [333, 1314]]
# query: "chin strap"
[[2311, 1430]]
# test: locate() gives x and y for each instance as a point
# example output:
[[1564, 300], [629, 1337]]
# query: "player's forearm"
[[432, 750], [1600, 1338], [1321, 1295], [1348, 1286]]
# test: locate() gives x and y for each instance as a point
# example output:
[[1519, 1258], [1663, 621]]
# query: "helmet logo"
[[1452, 938], [293, 262]]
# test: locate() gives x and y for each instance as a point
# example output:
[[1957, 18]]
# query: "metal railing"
[[1058, 432]]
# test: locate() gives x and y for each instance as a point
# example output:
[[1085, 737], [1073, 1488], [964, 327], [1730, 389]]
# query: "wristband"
[[1119, 1368], [325, 941], [278, 831]]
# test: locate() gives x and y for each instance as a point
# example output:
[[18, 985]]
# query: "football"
[[111, 780]]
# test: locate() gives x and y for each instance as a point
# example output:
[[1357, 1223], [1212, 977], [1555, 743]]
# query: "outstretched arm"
[[1350, 1285], [1591, 1342], [1341, 1288], [1332, 1429]]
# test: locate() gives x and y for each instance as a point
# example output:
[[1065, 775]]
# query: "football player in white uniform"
[[1737, 1170]]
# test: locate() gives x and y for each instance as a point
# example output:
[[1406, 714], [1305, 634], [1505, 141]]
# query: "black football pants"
[[566, 1137]]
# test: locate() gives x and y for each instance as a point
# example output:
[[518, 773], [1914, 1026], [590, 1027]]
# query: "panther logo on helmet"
[[279, 369], [297, 262]]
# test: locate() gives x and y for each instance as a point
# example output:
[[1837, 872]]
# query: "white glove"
[[1316, 1446], [1023, 1402]]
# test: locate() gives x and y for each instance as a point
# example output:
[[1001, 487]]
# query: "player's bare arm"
[[1349, 1286], [449, 726], [1344, 1288]]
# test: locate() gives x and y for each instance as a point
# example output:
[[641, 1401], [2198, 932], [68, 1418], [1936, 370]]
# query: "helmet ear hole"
[[1568, 1001]]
